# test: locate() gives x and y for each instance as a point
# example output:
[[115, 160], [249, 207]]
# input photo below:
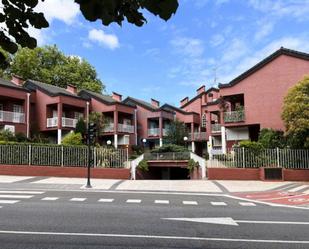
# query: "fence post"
[[29, 154], [62, 156], [278, 163], [94, 157], [243, 157]]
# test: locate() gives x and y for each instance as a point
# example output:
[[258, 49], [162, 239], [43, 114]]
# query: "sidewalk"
[[198, 186]]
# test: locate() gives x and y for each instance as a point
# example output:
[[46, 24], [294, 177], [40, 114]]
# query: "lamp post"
[[185, 139], [144, 140], [108, 142]]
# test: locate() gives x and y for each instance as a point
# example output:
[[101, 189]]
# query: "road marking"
[[16, 196], [231, 222], [162, 201], [134, 201], [50, 198], [218, 203], [8, 201], [21, 192], [0, 206], [247, 204], [283, 197], [297, 188], [189, 203], [78, 199], [141, 236], [106, 200]]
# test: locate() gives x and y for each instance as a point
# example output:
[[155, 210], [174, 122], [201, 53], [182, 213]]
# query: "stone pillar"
[[160, 142], [193, 146], [59, 133], [115, 141], [223, 139], [209, 147], [59, 136]]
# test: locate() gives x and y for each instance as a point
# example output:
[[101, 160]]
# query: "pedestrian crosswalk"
[[15, 196]]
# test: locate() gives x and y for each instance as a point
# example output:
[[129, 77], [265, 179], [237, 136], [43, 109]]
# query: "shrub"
[[256, 146], [81, 127], [72, 139], [192, 165], [170, 148], [270, 138], [21, 137], [6, 135], [137, 149], [143, 165]]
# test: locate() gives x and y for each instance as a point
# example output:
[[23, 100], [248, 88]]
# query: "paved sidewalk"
[[199, 186]]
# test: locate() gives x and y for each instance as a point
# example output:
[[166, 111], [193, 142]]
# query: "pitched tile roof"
[[7, 83]]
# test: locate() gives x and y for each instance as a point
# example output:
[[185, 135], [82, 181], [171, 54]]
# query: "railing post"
[[243, 157], [62, 156], [29, 154], [278, 162]]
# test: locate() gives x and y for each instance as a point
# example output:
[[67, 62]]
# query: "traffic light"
[[92, 132]]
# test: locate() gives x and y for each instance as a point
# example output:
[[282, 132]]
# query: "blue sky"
[[170, 60]]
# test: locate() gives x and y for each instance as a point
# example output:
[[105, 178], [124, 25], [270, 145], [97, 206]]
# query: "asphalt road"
[[79, 219]]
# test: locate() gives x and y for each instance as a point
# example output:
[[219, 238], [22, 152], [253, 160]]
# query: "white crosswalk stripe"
[[134, 201], [297, 188], [8, 201], [162, 201], [49, 198], [106, 200], [78, 199], [189, 203], [21, 192], [218, 203], [247, 204], [16, 196]]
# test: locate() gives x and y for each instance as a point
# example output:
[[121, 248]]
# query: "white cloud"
[[265, 27], [216, 40], [236, 49], [63, 10], [107, 40], [188, 46]]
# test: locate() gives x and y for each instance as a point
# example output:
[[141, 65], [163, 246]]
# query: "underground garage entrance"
[[167, 173]]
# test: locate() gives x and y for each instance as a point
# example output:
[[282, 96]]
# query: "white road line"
[[297, 188], [21, 192], [247, 204], [0, 206], [189, 203], [134, 201], [8, 201], [218, 203], [49, 198], [16, 196], [78, 199], [161, 201], [106, 200], [140, 236]]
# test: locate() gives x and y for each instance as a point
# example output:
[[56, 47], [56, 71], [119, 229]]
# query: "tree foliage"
[[295, 114], [271, 139], [72, 139], [17, 16], [48, 64], [176, 133]]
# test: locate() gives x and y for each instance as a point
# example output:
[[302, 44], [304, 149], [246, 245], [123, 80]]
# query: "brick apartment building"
[[217, 117]]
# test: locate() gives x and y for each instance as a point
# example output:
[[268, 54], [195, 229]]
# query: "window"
[[204, 120], [17, 110], [78, 115]]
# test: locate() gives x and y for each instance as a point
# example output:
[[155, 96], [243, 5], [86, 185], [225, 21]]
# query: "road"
[[87, 219]]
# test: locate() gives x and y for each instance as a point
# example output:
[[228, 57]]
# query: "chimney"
[[155, 103], [72, 89], [117, 96], [184, 101], [200, 90], [17, 80]]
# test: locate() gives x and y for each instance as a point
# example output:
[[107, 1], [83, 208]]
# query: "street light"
[[109, 142], [185, 139]]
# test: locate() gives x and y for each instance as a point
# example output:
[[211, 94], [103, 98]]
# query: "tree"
[[81, 127], [176, 133], [295, 114], [48, 64], [100, 121], [17, 16], [271, 139]]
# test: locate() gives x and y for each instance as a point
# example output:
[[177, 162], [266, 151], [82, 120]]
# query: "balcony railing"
[[126, 128], [52, 122], [154, 132], [69, 122], [109, 127], [14, 117], [198, 136], [234, 117], [215, 128]]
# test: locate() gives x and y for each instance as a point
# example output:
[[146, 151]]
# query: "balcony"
[[234, 117], [216, 128], [109, 128], [13, 117], [198, 136], [66, 122], [125, 128], [153, 132]]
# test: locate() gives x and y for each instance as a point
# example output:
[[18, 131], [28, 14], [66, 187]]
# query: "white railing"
[[154, 132], [52, 122], [234, 116], [248, 158], [201, 161], [62, 156], [126, 128], [69, 122], [216, 128], [109, 127], [14, 117]]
